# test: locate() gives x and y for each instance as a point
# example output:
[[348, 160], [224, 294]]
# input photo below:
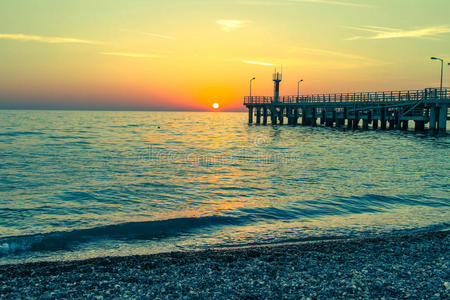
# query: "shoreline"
[[397, 266]]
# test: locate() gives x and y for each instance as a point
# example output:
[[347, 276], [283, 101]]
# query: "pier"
[[427, 109]]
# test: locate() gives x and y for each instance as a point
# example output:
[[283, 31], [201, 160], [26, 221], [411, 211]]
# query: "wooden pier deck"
[[427, 108]]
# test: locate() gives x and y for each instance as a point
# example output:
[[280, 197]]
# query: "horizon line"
[[118, 109]]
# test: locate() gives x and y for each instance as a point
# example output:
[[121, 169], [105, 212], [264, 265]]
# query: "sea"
[[85, 184]]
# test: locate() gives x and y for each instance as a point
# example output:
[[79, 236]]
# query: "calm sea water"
[[86, 184]]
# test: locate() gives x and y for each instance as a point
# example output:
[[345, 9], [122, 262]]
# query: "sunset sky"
[[188, 54]]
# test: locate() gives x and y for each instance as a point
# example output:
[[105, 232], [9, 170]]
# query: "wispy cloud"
[[353, 3], [263, 61], [157, 35], [393, 33], [353, 38], [333, 2], [256, 62], [329, 53], [230, 25], [46, 39], [331, 58], [128, 54], [262, 3]]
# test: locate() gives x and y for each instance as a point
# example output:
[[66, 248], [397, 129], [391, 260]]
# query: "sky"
[[189, 54]]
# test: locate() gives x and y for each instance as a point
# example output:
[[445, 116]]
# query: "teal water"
[[85, 184]]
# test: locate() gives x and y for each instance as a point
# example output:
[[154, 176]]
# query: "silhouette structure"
[[384, 110]]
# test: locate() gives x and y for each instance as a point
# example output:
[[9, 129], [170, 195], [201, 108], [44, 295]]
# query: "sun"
[[216, 105]]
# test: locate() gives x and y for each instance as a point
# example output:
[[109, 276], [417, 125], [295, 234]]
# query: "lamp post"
[[251, 80], [442, 69], [298, 88]]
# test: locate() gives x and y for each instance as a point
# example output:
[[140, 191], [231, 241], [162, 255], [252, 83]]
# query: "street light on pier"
[[251, 80], [442, 69], [298, 88]]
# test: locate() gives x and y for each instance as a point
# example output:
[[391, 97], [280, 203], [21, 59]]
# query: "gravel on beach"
[[414, 266]]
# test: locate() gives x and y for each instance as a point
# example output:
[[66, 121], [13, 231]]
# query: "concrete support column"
[[433, 118], [273, 116], [375, 124], [366, 124], [345, 116], [443, 117], [397, 121], [383, 119], [323, 116], [405, 125], [313, 120], [391, 124], [264, 115], [304, 116], [250, 114], [258, 115], [281, 116], [295, 116], [349, 123], [419, 125], [291, 116], [356, 121], [328, 120]]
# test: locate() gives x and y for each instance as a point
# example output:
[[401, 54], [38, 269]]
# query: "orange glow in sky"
[[180, 54]]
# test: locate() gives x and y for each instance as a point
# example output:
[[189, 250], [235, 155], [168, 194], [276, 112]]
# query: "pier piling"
[[313, 120], [365, 124], [443, 112], [375, 124], [433, 120], [419, 125]]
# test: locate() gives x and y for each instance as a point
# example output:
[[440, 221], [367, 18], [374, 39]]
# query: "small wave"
[[67, 137], [125, 126], [368, 202], [78, 196], [269, 213], [17, 133], [149, 230], [334, 206], [356, 235]]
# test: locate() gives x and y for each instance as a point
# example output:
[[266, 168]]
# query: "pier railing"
[[384, 96]]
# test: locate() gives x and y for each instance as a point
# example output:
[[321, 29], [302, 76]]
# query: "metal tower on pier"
[[277, 77]]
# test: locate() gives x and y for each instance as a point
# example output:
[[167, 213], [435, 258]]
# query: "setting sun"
[[216, 105]]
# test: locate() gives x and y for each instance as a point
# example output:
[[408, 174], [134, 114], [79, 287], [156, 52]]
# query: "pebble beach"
[[413, 266]]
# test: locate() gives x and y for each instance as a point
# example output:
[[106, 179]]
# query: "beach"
[[414, 266]]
